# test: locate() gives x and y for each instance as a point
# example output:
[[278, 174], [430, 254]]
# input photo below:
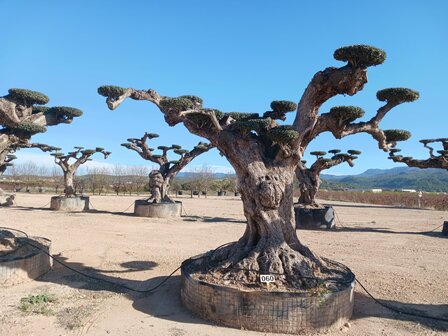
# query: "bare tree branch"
[[434, 161]]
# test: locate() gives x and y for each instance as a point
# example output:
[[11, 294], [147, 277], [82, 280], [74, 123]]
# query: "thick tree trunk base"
[[158, 210], [76, 203], [314, 218], [210, 292], [20, 261]]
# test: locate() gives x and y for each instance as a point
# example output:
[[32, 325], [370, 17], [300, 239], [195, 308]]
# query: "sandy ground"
[[385, 247]]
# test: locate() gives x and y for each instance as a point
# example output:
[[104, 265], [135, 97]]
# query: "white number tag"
[[267, 278]]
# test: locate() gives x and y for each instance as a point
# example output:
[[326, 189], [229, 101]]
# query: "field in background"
[[401, 199]]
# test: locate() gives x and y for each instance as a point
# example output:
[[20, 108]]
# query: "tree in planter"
[[309, 178], [222, 186], [434, 161], [159, 179], [71, 161], [265, 155]]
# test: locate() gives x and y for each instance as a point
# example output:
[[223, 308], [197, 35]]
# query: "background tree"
[[159, 180], [222, 186], [22, 115], [57, 179], [434, 161], [98, 180], [265, 155], [71, 161], [309, 178], [119, 179], [205, 179]]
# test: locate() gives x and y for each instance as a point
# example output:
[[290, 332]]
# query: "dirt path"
[[385, 248]]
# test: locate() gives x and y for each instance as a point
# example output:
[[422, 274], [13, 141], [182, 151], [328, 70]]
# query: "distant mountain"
[[394, 178]]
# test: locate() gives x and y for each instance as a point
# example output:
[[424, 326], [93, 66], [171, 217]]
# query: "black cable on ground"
[[394, 309], [183, 210], [124, 211], [128, 207]]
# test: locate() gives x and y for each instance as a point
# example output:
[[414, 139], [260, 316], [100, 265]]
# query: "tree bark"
[[69, 190], [269, 244]]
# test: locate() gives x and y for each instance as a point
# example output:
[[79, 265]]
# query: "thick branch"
[[327, 123], [80, 156], [324, 85], [141, 147], [173, 116], [187, 158]]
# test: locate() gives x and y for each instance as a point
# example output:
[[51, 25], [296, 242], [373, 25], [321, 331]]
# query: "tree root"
[[291, 267]]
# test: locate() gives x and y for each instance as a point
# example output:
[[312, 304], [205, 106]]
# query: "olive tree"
[[159, 179], [265, 156], [309, 178], [71, 161], [23, 114]]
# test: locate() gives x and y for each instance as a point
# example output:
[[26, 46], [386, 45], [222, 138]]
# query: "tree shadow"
[[116, 213], [208, 219], [165, 302], [365, 307], [28, 208], [429, 233]]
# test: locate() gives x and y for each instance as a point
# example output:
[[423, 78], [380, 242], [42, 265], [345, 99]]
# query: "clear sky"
[[236, 55]]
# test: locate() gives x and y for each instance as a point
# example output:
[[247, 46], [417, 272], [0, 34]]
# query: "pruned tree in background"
[[22, 115], [71, 161], [159, 179], [309, 178], [439, 160], [265, 156]]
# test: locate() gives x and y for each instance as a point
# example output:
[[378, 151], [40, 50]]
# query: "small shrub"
[[37, 304]]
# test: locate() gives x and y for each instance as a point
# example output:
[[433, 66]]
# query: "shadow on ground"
[[208, 219], [430, 233], [365, 307], [165, 302]]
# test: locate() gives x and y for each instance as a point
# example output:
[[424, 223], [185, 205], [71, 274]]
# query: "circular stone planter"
[[314, 218], [24, 262], [159, 210], [77, 203], [278, 312]]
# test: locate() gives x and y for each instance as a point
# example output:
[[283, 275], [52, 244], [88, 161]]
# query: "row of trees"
[[118, 179]]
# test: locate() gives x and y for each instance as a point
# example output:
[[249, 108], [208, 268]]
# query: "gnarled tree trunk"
[[270, 244], [309, 184]]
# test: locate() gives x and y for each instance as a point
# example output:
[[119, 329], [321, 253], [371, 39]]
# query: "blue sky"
[[236, 55]]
